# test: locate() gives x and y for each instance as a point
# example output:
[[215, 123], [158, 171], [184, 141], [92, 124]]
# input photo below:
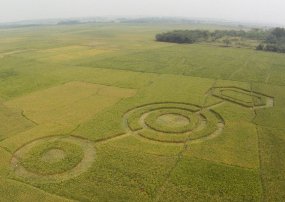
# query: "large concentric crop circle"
[[53, 159], [173, 122]]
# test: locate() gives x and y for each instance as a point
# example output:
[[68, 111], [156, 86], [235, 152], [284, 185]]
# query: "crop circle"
[[53, 159], [173, 122]]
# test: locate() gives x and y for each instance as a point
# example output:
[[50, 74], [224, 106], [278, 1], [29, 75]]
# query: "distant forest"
[[274, 41], [270, 40]]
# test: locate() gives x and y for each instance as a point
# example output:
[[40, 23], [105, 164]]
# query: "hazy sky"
[[268, 11]]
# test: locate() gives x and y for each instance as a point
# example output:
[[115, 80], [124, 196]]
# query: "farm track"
[[214, 105], [223, 164], [262, 181], [238, 70], [209, 93], [112, 138], [161, 189], [27, 118], [6, 149], [2, 55], [268, 78]]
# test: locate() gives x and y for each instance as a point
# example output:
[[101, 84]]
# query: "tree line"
[[271, 40], [192, 36], [275, 41], [183, 36]]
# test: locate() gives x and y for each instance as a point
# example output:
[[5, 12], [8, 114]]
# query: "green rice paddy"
[[102, 112]]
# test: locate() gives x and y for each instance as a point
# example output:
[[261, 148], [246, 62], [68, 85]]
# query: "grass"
[[72, 101]]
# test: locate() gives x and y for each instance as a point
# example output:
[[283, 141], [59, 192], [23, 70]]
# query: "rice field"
[[102, 112]]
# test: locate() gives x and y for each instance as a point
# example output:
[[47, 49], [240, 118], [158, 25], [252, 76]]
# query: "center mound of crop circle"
[[173, 119], [53, 159], [53, 155]]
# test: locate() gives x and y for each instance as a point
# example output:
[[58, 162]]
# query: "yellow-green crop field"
[[102, 112]]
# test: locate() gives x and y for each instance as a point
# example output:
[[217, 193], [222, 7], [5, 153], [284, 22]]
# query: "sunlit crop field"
[[102, 112]]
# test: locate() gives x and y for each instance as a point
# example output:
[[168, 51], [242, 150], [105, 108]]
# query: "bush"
[[260, 47]]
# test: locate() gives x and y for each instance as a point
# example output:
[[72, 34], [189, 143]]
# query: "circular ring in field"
[[173, 122], [53, 159]]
